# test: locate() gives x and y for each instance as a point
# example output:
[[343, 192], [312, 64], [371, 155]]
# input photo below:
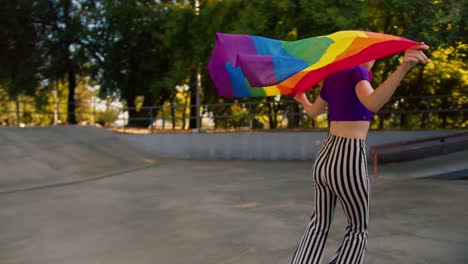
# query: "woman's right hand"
[[415, 55]]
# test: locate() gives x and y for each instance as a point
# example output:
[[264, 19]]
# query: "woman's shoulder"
[[342, 73], [352, 73], [359, 69], [360, 73]]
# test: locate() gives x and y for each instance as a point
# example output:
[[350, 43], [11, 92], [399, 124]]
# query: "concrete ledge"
[[256, 146]]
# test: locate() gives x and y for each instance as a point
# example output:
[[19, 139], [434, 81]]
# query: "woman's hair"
[[364, 29]]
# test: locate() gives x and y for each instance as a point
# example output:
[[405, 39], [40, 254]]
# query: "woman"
[[340, 169]]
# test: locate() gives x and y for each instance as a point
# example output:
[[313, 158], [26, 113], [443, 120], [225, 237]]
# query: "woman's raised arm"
[[375, 99]]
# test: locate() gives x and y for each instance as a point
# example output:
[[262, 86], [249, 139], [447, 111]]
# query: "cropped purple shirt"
[[339, 91]]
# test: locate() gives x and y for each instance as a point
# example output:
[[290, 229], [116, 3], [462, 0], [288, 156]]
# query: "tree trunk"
[[381, 121], [293, 115], [193, 101], [152, 112], [17, 111], [444, 120], [272, 118], [403, 121], [423, 103], [184, 111], [56, 110], [71, 118], [445, 105], [173, 119], [138, 117], [424, 120]]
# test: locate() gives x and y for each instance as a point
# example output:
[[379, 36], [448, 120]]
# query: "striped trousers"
[[340, 173]]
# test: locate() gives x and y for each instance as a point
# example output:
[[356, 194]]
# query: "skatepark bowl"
[[84, 195]]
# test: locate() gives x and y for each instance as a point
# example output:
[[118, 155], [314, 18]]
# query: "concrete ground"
[[138, 209]]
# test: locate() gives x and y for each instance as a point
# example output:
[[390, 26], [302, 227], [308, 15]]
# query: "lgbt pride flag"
[[254, 66]]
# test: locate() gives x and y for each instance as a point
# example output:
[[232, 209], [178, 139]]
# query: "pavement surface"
[[121, 205]]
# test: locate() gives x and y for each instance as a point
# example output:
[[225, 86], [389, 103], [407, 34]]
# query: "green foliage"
[[131, 56], [144, 49], [18, 53], [108, 116], [62, 31]]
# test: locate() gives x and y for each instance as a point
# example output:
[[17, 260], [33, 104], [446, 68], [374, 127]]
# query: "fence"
[[441, 111]]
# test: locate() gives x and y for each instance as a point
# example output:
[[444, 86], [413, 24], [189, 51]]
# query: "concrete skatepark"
[[87, 195]]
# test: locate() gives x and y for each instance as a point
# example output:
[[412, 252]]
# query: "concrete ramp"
[[449, 166], [53, 155]]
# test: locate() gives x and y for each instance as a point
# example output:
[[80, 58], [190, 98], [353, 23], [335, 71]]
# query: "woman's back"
[[348, 116]]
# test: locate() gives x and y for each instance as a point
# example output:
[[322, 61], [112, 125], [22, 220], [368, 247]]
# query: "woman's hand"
[[301, 98], [415, 55], [314, 109], [375, 99]]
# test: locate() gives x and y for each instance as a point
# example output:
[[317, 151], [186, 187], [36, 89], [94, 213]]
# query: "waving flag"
[[254, 66]]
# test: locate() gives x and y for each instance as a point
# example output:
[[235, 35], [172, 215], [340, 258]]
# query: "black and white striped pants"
[[340, 173]]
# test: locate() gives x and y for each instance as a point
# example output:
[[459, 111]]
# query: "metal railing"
[[247, 115], [429, 146]]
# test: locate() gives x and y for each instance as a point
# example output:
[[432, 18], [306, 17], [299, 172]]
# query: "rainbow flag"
[[253, 66]]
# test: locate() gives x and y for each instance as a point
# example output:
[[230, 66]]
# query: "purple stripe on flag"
[[234, 44], [258, 69], [219, 74]]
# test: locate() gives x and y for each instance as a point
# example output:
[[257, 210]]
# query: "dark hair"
[[364, 29]]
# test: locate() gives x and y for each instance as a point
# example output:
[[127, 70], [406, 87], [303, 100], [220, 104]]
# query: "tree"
[[181, 39], [130, 58], [18, 50], [438, 23], [61, 25]]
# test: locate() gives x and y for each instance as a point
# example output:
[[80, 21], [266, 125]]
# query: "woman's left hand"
[[301, 98], [415, 55]]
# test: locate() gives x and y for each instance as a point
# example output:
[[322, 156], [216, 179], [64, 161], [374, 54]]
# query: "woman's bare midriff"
[[350, 129]]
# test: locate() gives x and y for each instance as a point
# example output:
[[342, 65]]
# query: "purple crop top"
[[339, 91]]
